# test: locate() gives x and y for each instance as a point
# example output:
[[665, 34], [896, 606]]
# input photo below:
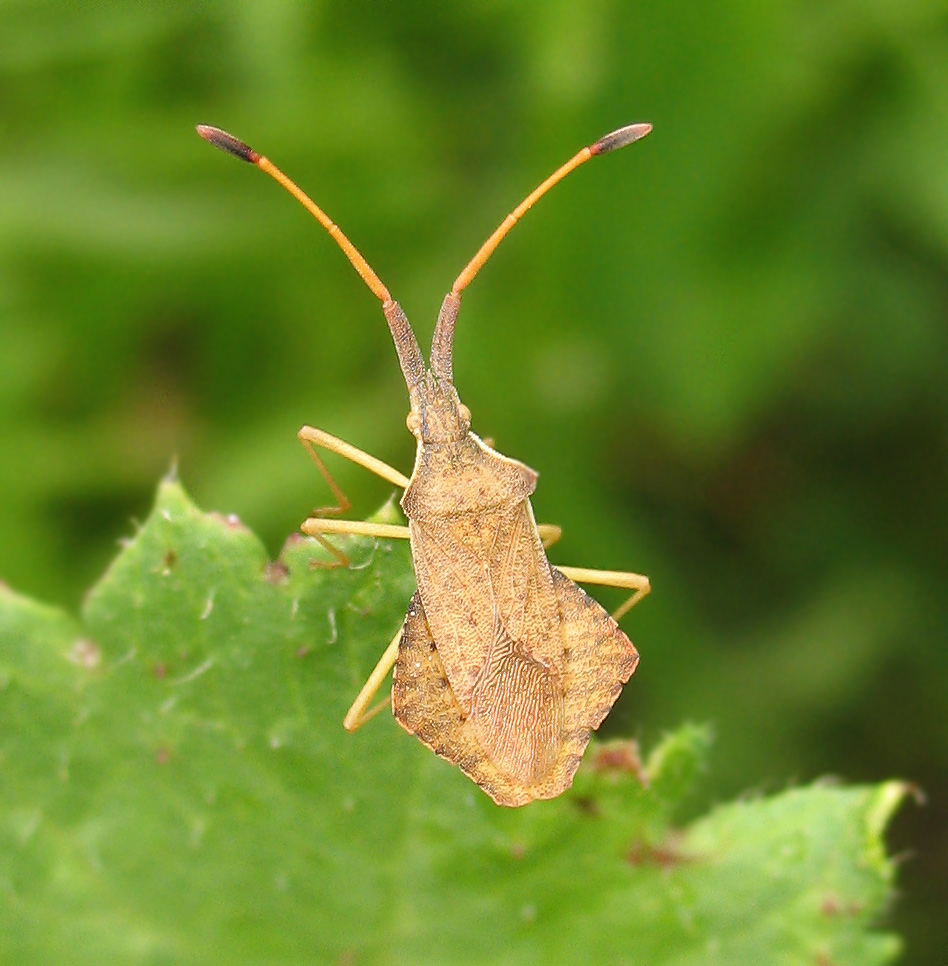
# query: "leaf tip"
[[676, 761], [885, 801]]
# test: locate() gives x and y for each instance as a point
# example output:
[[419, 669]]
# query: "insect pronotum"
[[504, 665]]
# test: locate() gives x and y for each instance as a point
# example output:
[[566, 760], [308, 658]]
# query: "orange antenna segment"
[[611, 142], [230, 144]]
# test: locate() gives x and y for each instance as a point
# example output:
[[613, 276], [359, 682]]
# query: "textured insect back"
[[517, 709], [470, 540], [599, 659]]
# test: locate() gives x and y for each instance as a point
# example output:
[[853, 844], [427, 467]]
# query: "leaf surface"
[[176, 786]]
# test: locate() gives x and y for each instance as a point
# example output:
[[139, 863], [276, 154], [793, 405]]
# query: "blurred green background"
[[725, 348]]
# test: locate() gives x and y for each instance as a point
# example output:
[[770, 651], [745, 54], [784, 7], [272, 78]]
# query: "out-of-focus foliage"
[[724, 348], [177, 788]]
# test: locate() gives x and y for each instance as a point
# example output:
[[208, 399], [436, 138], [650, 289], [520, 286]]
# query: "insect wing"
[[480, 572], [600, 659]]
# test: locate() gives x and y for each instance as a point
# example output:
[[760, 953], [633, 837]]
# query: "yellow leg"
[[612, 578], [549, 534], [357, 716], [316, 524]]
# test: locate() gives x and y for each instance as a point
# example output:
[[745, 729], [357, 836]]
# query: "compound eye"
[[413, 422], [465, 414]]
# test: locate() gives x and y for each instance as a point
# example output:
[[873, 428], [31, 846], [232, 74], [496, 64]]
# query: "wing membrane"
[[515, 756], [476, 572]]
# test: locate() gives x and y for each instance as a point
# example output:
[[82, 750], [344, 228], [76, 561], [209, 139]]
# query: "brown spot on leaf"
[[587, 805], [276, 572], [85, 653], [291, 541], [160, 670], [664, 856], [620, 757], [163, 755], [832, 906]]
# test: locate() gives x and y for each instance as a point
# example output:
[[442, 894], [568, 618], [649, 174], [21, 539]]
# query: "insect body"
[[504, 665]]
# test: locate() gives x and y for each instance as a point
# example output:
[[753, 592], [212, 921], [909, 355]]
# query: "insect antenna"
[[443, 340], [409, 355]]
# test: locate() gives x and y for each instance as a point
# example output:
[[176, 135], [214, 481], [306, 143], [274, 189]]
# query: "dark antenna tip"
[[227, 142], [619, 139]]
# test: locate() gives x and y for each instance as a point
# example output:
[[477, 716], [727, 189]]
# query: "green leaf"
[[176, 786]]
